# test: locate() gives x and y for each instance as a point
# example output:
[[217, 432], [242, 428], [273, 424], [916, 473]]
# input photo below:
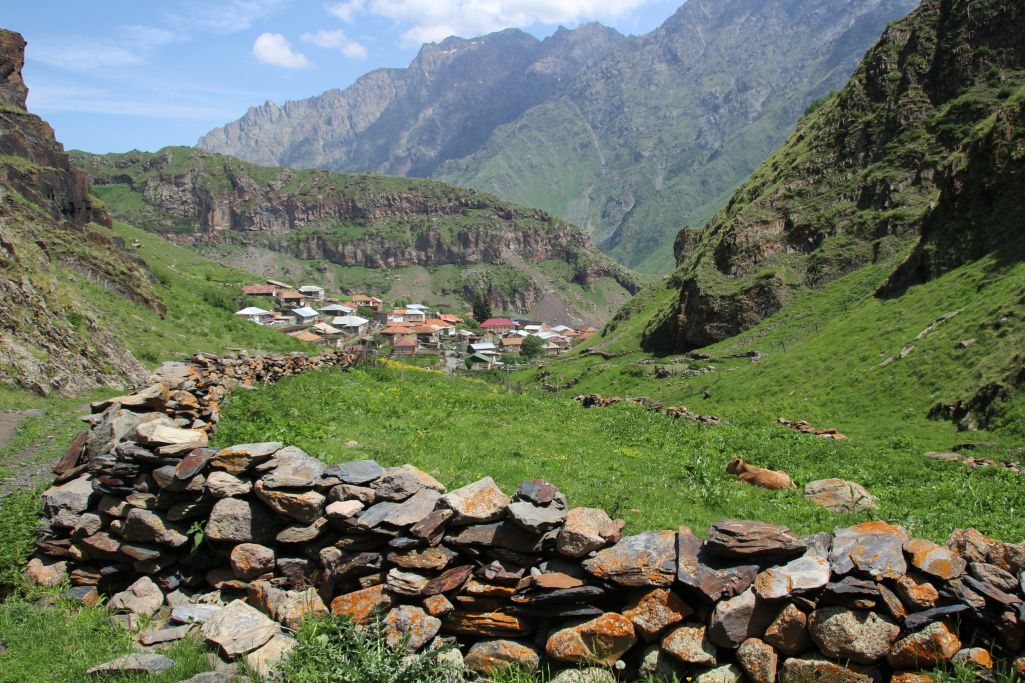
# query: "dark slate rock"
[[295, 469], [356, 472], [748, 539], [431, 529], [873, 548], [536, 491], [193, 462], [851, 592], [448, 581], [560, 596], [499, 534], [915, 621], [647, 559], [991, 592], [555, 611], [697, 569]]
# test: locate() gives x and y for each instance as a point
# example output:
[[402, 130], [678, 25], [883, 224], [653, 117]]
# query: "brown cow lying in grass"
[[759, 476]]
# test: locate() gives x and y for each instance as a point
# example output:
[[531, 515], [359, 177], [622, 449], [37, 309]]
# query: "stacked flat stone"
[[520, 579], [678, 412]]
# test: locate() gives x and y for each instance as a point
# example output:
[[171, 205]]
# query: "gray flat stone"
[[239, 629], [137, 663], [199, 614], [356, 472], [535, 518], [400, 514], [295, 469]]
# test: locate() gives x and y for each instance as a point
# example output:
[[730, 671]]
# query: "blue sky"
[[117, 75]]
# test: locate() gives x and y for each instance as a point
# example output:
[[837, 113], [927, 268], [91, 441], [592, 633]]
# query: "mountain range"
[[630, 137]]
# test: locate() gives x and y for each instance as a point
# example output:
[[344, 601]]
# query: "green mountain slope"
[[656, 135], [861, 178], [875, 261], [406, 238]]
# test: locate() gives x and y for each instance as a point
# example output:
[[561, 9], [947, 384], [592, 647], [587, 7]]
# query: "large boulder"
[[599, 641], [490, 656], [235, 520], [647, 559], [840, 495], [852, 635], [239, 629], [477, 503]]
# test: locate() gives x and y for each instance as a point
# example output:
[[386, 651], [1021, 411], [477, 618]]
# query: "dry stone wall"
[[522, 578]]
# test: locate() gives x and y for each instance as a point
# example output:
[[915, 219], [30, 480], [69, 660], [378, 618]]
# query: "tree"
[[365, 312], [532, 347], [481, 306]]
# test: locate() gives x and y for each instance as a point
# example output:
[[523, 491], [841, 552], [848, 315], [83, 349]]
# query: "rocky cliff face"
[[922, 146], [51, 233], [377, 222], [406, 121]]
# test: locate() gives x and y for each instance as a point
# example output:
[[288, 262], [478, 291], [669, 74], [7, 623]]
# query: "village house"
[[405, 345], [486, 348], [337, 309], [279, 285], [368, 301], [259, 290], [511, 344], [414, 315], [449, 318], [325, 330], [312, 292], [425, 334], [305, 315], [419, 307], [290, 297], [498, 325], [309, 337], [257, 315], [444, 329], [352, 325], [480, 361]]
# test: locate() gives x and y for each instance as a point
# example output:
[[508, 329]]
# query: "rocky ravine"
[[922, 146], [51, 339], [201, 198], [523, 579]]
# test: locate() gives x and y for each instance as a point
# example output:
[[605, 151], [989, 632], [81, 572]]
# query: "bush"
[[334, 650]]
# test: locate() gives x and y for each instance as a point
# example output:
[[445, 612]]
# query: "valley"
[[261, 422]]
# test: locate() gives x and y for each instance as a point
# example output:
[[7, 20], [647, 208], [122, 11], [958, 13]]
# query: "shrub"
[[334, 650], [18, 517]]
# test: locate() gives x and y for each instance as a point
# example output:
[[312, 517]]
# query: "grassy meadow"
[[654, 471]]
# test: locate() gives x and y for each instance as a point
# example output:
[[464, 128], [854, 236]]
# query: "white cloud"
[[130, 46], [336, 40], [346, 11], [355, 51], [50, 97], [433, 20], [274, 49], [228, 17]]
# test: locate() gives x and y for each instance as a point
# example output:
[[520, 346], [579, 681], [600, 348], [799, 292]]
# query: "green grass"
[[201, 297], [823, 354], [651, 470], [61, 642]]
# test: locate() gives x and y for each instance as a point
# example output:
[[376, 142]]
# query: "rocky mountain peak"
[[13, 91]]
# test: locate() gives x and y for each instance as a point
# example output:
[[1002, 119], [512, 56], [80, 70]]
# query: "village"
[[410, 330]]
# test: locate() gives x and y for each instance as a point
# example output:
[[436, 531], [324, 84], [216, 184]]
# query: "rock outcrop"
[[293, 537], [50, 225]]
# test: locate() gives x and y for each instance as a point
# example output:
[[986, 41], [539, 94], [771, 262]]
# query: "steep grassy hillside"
[[386, 234], [922, 147]]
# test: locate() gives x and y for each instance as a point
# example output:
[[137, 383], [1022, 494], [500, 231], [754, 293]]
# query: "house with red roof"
[[499, 325]]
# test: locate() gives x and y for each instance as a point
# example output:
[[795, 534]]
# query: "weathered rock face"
[[946, 199], [40, 349]]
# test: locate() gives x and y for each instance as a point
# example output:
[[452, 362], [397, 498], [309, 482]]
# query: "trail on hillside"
[[21, 470]]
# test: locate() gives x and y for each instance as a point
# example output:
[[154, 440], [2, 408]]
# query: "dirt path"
[[21, 470]]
